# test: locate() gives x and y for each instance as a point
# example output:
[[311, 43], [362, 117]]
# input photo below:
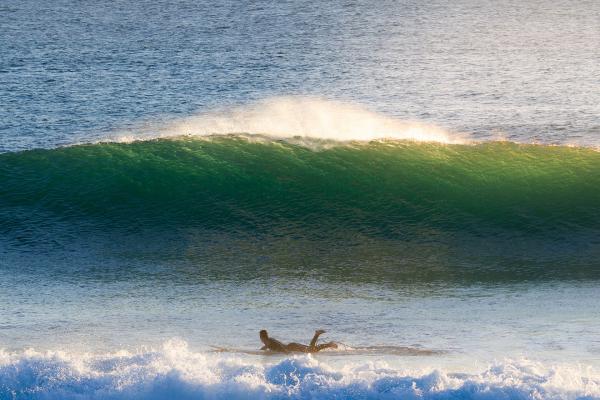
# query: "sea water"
[[421, 180]]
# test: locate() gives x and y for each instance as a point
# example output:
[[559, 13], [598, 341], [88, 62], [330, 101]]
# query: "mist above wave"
[[292, 117]]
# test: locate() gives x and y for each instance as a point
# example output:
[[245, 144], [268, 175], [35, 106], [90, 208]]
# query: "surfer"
[[276, 346]]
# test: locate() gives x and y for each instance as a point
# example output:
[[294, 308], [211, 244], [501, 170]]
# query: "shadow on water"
[[201, 257]]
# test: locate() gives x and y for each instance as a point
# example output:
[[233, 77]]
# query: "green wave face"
[[411, 207]]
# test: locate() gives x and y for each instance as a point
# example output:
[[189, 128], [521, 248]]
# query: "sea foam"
[[175, 372]]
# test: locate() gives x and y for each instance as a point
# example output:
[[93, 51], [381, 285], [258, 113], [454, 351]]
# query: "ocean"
[[419, 179]]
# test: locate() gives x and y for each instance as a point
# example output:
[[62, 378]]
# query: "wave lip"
[[176, 372], [296, 116]]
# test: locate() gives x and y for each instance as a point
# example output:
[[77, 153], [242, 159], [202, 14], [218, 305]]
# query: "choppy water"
[[421, 180]]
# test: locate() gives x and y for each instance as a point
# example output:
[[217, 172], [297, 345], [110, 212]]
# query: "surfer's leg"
[[313, 342], [298, 348], [330, 345]]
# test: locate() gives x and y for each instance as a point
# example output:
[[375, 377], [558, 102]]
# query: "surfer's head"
[[263, 335]]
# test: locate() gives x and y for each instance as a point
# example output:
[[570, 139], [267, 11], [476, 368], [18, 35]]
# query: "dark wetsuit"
[[277, 346]]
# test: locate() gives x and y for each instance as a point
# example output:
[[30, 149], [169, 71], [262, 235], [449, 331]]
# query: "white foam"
[[175, 372], [296, 117]]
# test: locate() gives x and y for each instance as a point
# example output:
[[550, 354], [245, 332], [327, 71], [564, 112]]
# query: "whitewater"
[[174, 371]]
